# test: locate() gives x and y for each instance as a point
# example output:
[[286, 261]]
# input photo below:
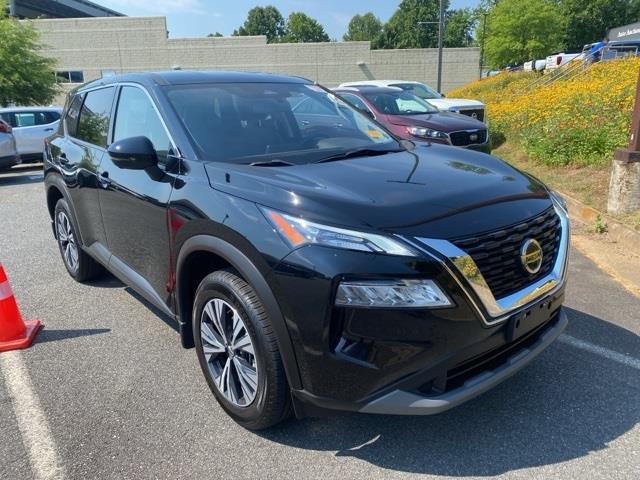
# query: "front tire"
[[238, 351], [78, 263]]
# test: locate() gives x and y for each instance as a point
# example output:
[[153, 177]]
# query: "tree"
[[216, 34], [459, 27], [588, 22], [403, 31], [266, 21], [26, 77], [363, 27], [302, 28], [522, 30]]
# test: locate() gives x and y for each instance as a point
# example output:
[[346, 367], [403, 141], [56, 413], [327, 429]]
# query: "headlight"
[[298, 232], [427, 133], [392, 294]]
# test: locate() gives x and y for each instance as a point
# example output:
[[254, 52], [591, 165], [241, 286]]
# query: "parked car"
[[8, 153], [620, 48], [314, 266], [557, 60], [31, 125], [534, 65], [471, 108], [411, 118]]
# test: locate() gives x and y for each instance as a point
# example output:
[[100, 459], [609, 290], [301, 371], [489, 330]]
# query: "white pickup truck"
[[557, 60]]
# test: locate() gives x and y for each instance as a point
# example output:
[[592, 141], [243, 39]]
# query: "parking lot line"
[[627, 360], [32, 421]]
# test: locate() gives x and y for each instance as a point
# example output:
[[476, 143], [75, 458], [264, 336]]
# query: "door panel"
[[134, 202], [77, 156]]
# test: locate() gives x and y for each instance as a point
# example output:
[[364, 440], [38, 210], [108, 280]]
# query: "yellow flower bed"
[[577, 121]]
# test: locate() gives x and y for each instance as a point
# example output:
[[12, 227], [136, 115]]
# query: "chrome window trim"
[[155, 107], [467, 275]]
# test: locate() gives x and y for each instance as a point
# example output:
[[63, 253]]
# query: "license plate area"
[[532, 317]]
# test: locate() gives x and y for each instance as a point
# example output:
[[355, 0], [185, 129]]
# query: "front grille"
[[497, 253], [478, 112], [464, 138]]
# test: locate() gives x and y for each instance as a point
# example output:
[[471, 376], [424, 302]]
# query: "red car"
[[411, 118]]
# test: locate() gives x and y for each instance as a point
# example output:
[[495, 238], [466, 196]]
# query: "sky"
[[197, 18]]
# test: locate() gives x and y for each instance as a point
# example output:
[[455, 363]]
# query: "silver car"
[[31, 125], [8, 153]]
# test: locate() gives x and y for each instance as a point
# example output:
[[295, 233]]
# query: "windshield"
[[400, 103], [273, 123], [423, 91]]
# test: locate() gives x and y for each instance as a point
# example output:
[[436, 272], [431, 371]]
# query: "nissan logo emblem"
[[531, 256]]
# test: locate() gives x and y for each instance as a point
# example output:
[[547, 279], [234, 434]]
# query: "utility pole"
[[440, 41], [484, 32], [624, 184], [440, 23]]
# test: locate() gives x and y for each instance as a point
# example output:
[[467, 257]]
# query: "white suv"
[[31, 125], [471, 108]]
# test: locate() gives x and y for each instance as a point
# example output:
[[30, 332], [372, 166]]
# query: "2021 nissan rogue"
[[315, 261]]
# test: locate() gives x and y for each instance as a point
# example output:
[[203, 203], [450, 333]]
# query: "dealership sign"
[[627, 32]]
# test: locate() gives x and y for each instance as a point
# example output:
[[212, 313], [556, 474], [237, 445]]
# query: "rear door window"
[[32, 119], [71, 118], [93, 125]]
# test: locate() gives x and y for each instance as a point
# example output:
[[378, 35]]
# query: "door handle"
[[48, 129], [62, 158]]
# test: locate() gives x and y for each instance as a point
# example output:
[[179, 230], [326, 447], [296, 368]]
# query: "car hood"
[[433, 191], [454, 103], [443, 121]]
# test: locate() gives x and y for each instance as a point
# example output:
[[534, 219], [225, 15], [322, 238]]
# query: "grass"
[[589, 184]]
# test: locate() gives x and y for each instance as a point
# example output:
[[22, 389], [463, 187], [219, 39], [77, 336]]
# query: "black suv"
[[315, 261]]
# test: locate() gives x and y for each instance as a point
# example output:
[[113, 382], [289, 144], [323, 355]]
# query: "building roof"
[[59, 9]]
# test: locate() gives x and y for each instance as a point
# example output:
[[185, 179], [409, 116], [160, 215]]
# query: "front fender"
[[247, 269]]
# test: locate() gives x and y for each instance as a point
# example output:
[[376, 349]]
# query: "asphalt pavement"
[[107, 392]]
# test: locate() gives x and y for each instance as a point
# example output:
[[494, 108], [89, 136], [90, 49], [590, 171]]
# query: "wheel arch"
[[221, 254], [55, 190]]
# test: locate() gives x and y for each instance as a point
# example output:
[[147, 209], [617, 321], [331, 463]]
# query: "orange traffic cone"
[[14, 333]]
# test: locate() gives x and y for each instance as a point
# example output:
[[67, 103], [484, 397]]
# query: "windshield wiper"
[[272, 163], [362, 152]]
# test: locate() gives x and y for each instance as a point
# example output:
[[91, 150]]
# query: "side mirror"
[[134, 153], [442, 95]]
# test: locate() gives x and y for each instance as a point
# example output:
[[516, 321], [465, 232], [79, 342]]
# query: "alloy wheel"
[[229, 352], [67, 241]]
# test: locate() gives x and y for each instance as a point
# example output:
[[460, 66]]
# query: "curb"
[[617, 232]]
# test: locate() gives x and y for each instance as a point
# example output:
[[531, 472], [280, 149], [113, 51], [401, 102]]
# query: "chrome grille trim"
[[466, 273]]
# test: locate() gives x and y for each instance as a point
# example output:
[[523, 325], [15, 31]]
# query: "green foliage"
[[521, 30], [600, 226], [459, 27], [363, 27], [589, 21], [302, 28], [266, 21], [216, 34], [26, 77], [403, 31]]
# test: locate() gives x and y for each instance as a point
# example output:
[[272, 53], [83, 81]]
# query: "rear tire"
[[238, 351], [78, 263]]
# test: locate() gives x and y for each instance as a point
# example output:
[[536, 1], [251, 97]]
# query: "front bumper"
[[388, 360], [401, 402]]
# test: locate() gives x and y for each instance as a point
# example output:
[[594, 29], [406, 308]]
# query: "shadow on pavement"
[[170, 322], [24, 177], [564, 405], [46, 335]]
